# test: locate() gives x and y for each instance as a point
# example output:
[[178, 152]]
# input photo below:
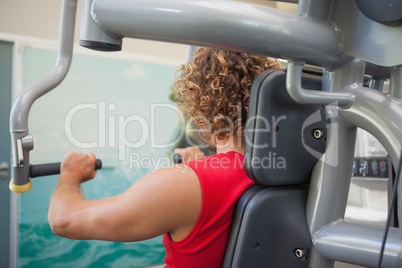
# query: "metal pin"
[[300, 253], [318, 133]]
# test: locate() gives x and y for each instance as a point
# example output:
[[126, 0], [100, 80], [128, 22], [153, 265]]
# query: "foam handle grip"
[[52, 169]]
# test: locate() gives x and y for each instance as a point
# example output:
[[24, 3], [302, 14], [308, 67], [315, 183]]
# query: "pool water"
[[116, 104], [39, 247]]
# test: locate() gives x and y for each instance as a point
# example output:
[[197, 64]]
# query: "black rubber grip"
[[52, 169], [177, 159]]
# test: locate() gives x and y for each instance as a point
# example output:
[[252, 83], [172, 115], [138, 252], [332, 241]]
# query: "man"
[[192, 203]]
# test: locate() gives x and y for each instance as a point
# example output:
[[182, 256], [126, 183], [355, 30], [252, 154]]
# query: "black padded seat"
[[269, 227]]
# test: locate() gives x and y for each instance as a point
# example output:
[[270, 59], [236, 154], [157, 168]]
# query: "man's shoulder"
[[219, 162]]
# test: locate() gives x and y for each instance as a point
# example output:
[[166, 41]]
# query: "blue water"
[[133, 88], [39, 247]]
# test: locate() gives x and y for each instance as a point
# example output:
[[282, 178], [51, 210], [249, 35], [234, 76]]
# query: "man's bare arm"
[[168, 200]]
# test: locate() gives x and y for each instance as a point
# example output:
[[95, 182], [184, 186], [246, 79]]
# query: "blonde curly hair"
[[214, 90]]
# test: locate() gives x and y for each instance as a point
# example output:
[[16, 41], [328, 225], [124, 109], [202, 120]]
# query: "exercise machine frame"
[[330, 34]]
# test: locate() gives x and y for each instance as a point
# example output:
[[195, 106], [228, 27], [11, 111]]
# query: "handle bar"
[[52, 169], [177, 159]]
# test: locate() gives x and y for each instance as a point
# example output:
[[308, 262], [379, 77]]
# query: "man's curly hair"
[[214, 90]]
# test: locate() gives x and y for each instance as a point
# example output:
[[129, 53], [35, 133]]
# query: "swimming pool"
[[108, 106]]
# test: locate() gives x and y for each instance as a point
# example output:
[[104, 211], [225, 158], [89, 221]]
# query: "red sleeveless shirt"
[[223, 180]]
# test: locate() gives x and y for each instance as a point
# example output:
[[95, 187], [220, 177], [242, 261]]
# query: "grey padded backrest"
[[269, 227], [280, 147]]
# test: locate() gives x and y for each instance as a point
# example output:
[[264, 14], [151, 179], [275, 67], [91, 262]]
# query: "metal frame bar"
[[306, 96], [21, 140], [330, 181], [326, 204], [221, 24], [311, 36], [396, 82], [357, 244]]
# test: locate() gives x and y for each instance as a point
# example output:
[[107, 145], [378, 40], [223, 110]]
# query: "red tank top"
[[223, 180]]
